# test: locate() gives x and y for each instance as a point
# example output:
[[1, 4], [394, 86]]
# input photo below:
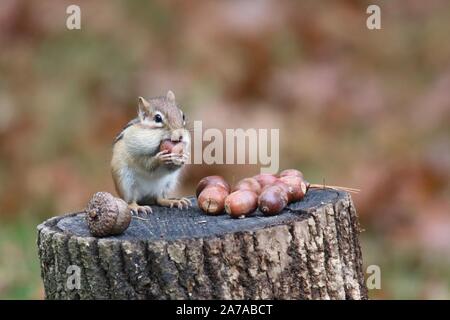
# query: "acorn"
[[286, 188], [211, 180], [212, 199], [265, 179], [298, 185], [248, 184], [107, 215], [272, 200], [291, 172], [171, 146], [241, 203]]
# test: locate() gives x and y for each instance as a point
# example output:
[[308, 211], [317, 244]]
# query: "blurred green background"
[[359, 108]]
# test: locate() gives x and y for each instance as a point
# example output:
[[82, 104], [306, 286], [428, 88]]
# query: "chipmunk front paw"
[[136, 209], [170, 203], [172, 159]]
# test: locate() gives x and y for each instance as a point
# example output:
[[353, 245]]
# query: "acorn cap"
[[107, 215]]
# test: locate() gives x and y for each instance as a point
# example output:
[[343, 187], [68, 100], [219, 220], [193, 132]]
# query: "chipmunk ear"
[[170, 96], [144, 108]]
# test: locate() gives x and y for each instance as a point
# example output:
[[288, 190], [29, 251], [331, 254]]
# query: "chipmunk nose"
[[178, 136]]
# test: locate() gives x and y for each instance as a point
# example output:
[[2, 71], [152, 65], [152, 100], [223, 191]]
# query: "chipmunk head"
[[160, 119]]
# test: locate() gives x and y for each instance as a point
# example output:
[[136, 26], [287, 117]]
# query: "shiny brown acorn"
[[298, 185], [212, 199], [171, 146], [209, 181], [272, 200], [291, 172], [241, 203], [288, 189], [248, 184], [265, 179], [107, 215]]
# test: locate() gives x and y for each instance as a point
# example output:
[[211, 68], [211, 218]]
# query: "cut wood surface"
[[310, 251]]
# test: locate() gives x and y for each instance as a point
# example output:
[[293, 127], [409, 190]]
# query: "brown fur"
[[136, 170], [170, 110]]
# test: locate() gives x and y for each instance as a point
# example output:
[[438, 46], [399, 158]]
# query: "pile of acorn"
[[107, 215], [270, 193]]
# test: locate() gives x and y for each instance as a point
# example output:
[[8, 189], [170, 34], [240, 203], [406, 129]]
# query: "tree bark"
[[310, 251]]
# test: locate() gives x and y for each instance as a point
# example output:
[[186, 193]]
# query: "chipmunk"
[[143, 174]]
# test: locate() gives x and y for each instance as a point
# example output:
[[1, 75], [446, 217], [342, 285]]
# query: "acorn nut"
[[107, 215], [248, 184], [291, 172], [286, 188], [272, 200], [298, 186], [211, 180], [212, 199], [241, 203], [265, 179], [171, 146]]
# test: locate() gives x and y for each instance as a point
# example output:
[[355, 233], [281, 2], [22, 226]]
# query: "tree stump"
[[310, 251]]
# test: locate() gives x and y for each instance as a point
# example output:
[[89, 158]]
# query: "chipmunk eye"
[[158, 118]]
